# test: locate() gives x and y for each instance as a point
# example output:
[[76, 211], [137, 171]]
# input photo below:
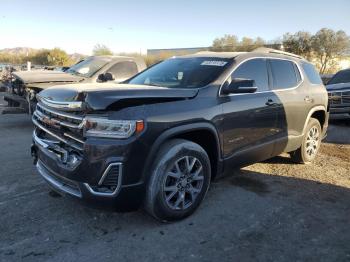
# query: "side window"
[[123, 70], [284, 74], [312, 74], [256, 70]]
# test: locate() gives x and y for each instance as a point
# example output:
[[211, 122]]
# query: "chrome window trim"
[[268, 91]]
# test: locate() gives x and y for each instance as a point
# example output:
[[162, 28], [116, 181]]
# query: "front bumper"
[[15, 104], [340, 109], [84, 178]]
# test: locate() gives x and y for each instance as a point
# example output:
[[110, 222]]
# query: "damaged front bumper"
[[15, 104], [97, 182]]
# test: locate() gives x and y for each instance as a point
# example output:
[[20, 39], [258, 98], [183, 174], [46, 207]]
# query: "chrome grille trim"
[[37, 124], [41, 116], [118, 186], [74, 138], [55, 112], [105, 173], [69, 106], [339, 97], [65, 127]]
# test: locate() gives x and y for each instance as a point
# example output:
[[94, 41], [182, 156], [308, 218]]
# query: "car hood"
[[30, 77], [338, 87], [112, 96]]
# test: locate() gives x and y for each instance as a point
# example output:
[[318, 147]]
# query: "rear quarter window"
[[285, 74], [312, 74]]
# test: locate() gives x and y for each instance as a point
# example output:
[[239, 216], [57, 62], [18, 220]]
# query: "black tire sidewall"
[[159, 207]]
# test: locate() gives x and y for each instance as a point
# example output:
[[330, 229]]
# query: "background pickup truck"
[[21, 93]]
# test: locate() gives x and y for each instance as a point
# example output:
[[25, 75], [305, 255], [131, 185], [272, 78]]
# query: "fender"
[[313, 110], [173, 132]]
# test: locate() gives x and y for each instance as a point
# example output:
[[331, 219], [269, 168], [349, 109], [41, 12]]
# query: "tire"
[[310, 144], [181, 172]]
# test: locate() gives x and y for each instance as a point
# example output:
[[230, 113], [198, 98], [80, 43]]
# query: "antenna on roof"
[[274, 51]]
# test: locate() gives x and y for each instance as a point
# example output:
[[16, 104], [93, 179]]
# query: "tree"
[[328, 46], [101, 50], [58, 57], [231, 43], [249, 44], [299, 43], [225, 43], [40, 57]]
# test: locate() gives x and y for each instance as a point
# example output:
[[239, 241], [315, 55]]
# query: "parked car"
[[159, 139], [21, 96], [338, 88]]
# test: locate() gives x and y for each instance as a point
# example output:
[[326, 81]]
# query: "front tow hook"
[[34, 153]]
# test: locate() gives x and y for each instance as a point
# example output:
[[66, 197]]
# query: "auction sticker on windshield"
[[214, 63]]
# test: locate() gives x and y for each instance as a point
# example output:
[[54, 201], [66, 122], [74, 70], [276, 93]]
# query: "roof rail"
[[275, 51]]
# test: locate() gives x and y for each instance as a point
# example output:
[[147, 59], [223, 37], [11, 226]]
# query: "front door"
[[250, 120]]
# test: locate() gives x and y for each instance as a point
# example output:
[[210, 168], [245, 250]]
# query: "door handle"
[[307, 99], [270, 102]]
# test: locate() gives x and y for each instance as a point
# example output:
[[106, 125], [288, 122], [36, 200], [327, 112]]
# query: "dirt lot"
[[270, 211]]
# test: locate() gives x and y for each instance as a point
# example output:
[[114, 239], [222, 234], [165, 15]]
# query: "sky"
[[134, 26]]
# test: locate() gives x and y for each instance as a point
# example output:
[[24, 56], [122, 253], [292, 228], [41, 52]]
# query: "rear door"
[[250, 120], [290, 107]]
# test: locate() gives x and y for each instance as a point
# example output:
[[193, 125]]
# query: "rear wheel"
[[180, 179], [310, 145]]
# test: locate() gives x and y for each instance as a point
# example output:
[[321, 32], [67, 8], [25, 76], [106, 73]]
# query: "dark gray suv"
[[159, 139]]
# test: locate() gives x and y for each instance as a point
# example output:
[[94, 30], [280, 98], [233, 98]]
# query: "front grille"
[[65, 127], [339, 97], [346, 97]]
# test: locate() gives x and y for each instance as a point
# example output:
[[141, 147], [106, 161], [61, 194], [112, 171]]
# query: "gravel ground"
[[270, 211]]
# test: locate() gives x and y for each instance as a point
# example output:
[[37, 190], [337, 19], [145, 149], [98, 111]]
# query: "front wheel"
[[179, 181], [310, 145]]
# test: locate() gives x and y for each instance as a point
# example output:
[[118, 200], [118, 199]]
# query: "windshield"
[[340, 77], [192, 72], [88, 67]]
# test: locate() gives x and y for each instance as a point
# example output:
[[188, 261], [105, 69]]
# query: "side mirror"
[[105, 77], [239, 86]]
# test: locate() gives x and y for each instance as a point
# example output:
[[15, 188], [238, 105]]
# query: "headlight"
[[101, 127]]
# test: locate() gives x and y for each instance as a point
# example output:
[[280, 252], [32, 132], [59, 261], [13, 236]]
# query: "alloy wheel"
[[183, 183], [312, 141]]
